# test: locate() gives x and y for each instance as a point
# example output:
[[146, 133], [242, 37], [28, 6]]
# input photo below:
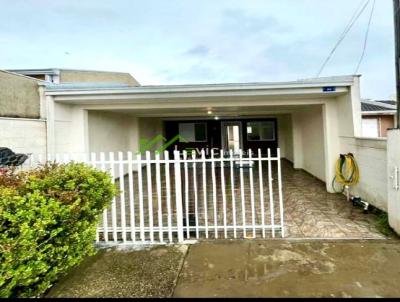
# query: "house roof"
[[336, 81], [387, 102], [53, 71], [310, 91], [368, 106], [81, 86], [20, 75]]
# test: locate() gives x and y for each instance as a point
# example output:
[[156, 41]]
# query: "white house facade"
[[314, 118]]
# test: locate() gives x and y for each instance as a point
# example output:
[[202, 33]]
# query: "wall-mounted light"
[[216, 118], [209, 112]]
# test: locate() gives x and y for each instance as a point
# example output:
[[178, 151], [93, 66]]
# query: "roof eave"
[[195, 88]]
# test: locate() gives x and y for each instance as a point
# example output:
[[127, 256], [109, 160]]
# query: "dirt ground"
[[241, 268]]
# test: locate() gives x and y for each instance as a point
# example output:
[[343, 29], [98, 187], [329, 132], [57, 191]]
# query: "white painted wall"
[[308, 141], [112, 132], [370, 127], [371, 156], [392, 185], [150, 127], [23, 135], [285, 136], [63, 129]]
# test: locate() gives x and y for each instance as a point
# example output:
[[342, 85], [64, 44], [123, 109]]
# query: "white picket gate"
[[189, 196]]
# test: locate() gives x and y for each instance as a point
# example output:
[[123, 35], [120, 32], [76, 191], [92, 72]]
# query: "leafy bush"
[[48, 219]]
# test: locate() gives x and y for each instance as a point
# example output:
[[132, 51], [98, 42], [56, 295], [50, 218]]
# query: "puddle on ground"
[[281, 262]]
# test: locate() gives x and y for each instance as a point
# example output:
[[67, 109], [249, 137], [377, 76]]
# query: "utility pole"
[[396, 11]]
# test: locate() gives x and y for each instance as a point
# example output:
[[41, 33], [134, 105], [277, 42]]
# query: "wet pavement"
[[292, 269], [121, 273], [241, 268]]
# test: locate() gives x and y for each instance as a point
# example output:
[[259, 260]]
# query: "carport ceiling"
[[220, 112]]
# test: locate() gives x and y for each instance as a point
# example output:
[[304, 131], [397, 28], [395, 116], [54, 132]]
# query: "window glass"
[[193, 132], [261, 131]]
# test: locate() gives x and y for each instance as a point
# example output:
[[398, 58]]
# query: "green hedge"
[[48, 219]]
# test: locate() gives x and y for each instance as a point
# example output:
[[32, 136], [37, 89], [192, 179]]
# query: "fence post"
[[178, 196]]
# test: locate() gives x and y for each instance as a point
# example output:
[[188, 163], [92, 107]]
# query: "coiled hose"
[[347, 172]]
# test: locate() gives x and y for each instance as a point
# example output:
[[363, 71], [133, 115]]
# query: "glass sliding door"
[[231, 134]]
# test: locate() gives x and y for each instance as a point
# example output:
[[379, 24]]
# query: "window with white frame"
[[193, 132], [261, 131]]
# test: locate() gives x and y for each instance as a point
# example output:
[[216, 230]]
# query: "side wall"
[[149, 128], [23, 135], [112, 132], [19, 96], [394, 180], [371, 156], [308, 141], [285, 136]]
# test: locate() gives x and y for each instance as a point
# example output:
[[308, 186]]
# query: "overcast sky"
[[207, 41]]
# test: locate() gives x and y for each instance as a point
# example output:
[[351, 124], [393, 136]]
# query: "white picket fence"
[[189, 196]]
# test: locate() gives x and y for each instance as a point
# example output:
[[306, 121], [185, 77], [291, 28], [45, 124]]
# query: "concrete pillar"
[[297, 142], [393, 168], [331, 142], [50, 125], [80, 130]]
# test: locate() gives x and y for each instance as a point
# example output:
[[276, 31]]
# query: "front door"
[[231, 136]]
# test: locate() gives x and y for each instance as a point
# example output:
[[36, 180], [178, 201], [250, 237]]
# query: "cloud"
[[198, 51], [240, 22], [208, 41]]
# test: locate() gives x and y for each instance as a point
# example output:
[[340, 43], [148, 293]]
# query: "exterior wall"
[[71, 76], [285, 136], [385, 122], [308, 141], [393, 187], [112, 132], [63, 130], [349, 112], [19, 96], [150, 128], [67, 128], [23, 135], [370, 155]]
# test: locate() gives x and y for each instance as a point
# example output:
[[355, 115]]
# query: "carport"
[[311, 117]]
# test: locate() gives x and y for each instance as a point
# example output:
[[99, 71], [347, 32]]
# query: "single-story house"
[[377, 117], [311, 121], [307, 119]]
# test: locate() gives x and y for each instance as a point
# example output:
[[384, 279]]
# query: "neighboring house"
[[19, 96], [21, 127], [23, 107], [62, 75], [377, 117]]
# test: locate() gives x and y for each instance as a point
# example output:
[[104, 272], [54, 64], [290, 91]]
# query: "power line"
[[366, 37], [352, 21]]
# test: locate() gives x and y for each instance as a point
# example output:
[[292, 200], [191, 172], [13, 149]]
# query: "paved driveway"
[[252, 268], [291, 269]]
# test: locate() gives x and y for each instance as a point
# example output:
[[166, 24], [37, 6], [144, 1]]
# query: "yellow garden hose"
[[347, 171]]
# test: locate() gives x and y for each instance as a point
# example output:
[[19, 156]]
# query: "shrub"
[[48, 219]]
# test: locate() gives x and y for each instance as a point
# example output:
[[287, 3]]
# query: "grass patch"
[[382, 224]]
